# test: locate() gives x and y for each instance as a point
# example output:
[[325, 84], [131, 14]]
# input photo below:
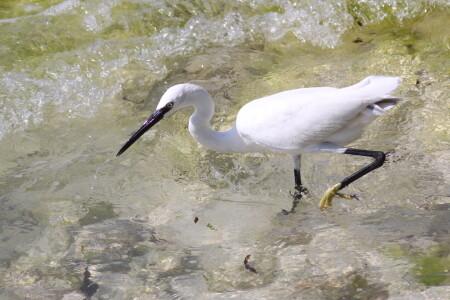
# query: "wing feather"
[[292, 120]]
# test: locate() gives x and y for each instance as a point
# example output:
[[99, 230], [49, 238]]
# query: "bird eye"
[[169, 105]]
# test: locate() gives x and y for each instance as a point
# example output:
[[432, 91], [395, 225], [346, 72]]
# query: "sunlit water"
[[78, 77]]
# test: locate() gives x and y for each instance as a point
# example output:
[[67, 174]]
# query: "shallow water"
[[78, 77]]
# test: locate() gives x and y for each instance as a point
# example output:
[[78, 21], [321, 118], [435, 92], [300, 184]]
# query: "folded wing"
[[293, 120]]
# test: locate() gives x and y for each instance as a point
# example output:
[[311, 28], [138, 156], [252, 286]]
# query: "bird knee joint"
[[380, 157]]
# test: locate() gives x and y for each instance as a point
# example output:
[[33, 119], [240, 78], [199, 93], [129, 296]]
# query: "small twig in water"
[[209, 225], [247, 266]]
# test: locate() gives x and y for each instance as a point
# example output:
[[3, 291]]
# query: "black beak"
[[157, 116]]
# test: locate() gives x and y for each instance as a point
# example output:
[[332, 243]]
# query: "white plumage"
[[298, 121]]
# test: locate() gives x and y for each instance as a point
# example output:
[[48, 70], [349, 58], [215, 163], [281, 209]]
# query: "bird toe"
[[348, 197]]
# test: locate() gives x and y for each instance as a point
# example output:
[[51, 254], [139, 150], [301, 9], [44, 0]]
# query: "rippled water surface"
[[172, 219]]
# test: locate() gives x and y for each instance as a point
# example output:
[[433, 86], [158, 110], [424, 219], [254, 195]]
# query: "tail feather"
[[388, 102], [373, 88], [380, 107]]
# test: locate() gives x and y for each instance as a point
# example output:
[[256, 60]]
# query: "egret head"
[[174, 98]]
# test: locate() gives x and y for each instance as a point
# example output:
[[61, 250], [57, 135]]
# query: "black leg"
[[297, 159], [297, 194], [297, 178], [299, 189], [378, 162], [298, 182]]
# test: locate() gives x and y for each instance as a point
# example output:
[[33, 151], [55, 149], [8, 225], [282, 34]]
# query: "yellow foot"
[[325, 202]]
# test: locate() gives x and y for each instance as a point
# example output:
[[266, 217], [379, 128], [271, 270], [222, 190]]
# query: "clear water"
[[77, 77]]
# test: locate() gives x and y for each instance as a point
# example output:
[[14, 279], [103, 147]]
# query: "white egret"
[[307, 120]]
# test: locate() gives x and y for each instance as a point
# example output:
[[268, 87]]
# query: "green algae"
[[430, 266]]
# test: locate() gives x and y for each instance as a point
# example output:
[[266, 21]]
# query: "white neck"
[[200, 128]]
